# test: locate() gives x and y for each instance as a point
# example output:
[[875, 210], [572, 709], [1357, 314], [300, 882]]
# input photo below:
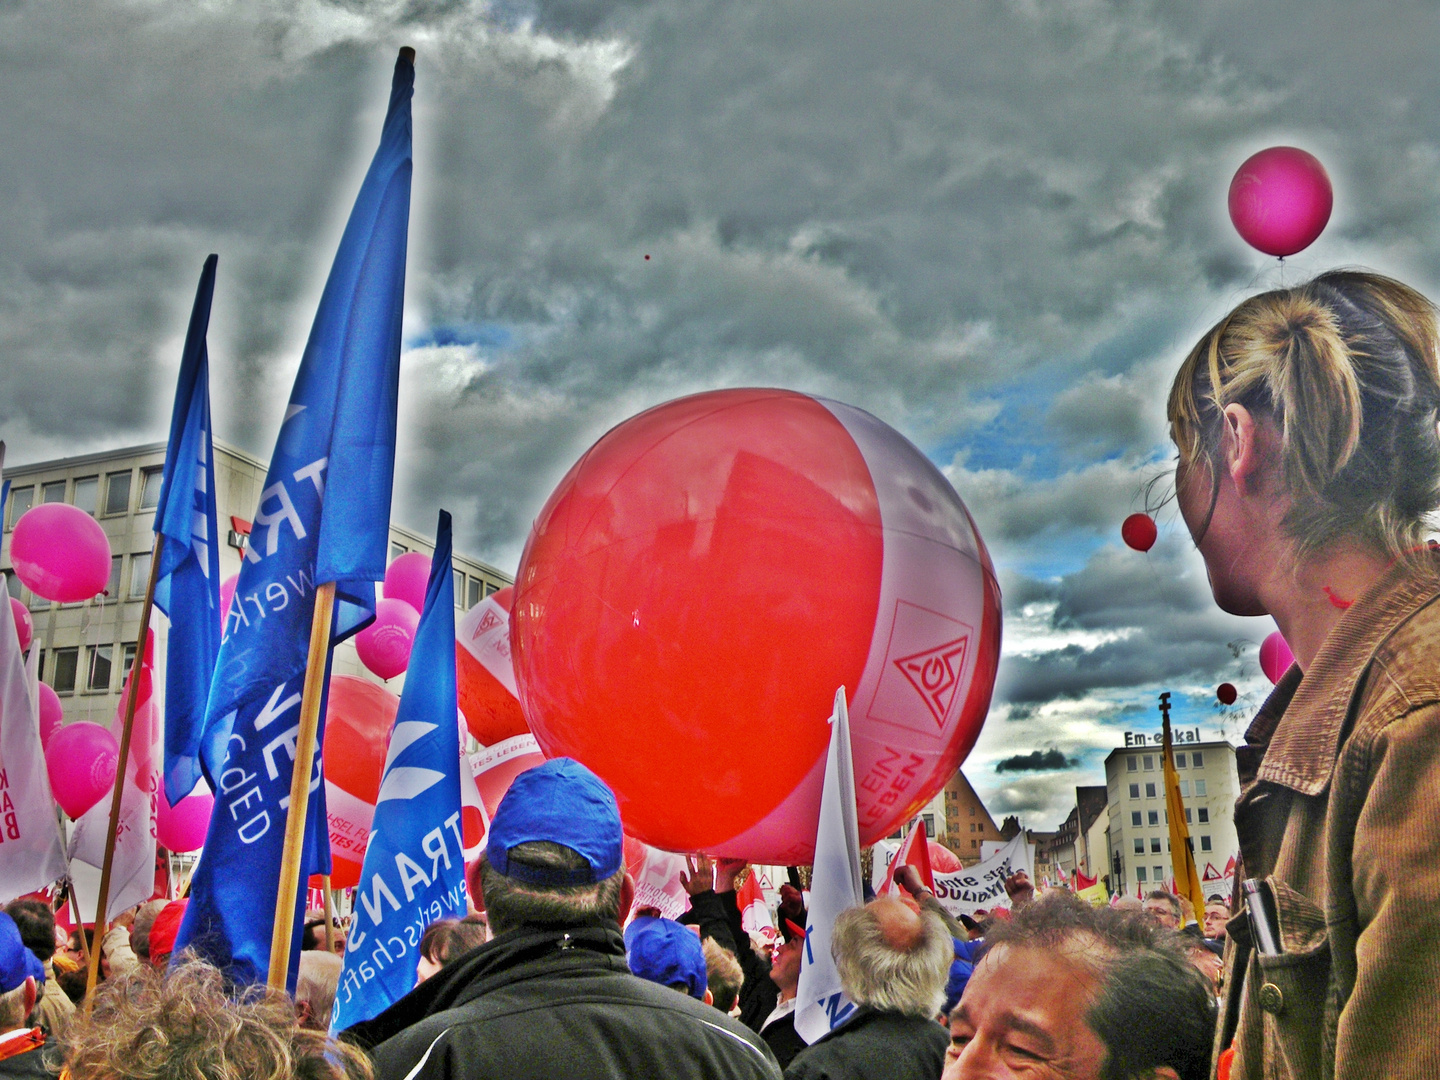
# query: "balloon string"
[[1282, 271]]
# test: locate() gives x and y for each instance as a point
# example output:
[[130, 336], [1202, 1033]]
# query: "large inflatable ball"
[[705, 578], [484, 674]]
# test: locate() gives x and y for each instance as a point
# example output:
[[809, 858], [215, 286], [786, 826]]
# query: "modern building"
[[1071, 846], [87, 648], [1138, 833]]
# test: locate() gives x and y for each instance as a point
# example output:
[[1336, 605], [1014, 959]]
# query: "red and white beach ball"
[[705, 578]]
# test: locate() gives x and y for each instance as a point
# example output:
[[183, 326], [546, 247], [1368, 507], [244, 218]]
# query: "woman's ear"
[[1241, 444]]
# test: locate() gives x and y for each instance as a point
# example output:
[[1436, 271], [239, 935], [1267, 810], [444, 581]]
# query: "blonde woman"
[[1309, 463]]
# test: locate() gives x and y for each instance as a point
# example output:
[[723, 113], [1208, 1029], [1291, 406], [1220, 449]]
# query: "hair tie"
[[1335, 601]]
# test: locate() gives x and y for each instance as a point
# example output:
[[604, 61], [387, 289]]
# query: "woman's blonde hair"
[[1345, 365], [187, 1024]]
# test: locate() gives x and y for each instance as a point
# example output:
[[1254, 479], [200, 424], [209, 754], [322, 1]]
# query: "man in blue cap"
[[20, 977], [551, 995], [664, 952]]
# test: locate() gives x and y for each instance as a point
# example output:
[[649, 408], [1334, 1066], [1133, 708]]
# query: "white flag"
[[32, 854], [834, 886], [132, 869], [981, 887]]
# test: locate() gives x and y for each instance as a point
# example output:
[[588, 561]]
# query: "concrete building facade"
[[87, 648]]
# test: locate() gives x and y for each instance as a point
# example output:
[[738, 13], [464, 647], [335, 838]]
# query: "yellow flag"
[[1187, 877]]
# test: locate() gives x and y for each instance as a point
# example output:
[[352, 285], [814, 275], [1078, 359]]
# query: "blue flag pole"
[[318, 545]]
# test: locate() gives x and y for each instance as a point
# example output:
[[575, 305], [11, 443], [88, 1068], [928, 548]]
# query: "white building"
[[1138, 831]]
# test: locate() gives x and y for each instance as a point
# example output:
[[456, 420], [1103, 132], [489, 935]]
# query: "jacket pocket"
[[1292, 987]]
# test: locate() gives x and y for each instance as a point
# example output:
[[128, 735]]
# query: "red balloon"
[[1226, 693], [1280, 200], [1139, 532], [384, 646], [408, 578], [182, 827], [484, 673], [1275, 656], [81, 761], [60, 553], [706, 577], [24, 627], [942, 859], [358, 719], [52, 715]]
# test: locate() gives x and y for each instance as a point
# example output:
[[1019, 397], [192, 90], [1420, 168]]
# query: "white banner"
[[982, 887], [834, 886], [32, 853]]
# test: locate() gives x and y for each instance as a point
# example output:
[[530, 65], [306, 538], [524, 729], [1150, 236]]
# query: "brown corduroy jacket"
[[1340, 811]]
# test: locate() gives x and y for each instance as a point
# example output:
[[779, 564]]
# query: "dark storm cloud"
[[1035, 761]]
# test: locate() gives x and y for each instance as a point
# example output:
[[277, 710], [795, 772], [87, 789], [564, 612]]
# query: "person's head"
[[723, 975], [148, 1026], [1207, 962], [315, 988], [892, 958], [785, 959], [1217, 914], [1164, 908], [163, 932], [1069, 990], [36, 923], [443, 941], [140, 930], [665, 952], [1323, 395], [21, 974], [554, 855]]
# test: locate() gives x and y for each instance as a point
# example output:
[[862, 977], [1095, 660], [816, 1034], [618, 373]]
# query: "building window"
[[128, 652], [973, 843], [1154, 817], [1149, 791], [1134, 819], [150, 490], [1197, 760], [66, 661], [1187, 815], [1184, 789], [1139, 845], [112, 587], [1131, 765], [1204, 843], [98, 677], [13, 586], [1134, 792], [87, 493], [1204, 815], [1159, 874], [52, 492], [474, 591], [459, 586], [396, 550], [117, 493], [139, 575], [929, 820], [1154, 845], [1149, 763], [972, 814], [21, 499], [1139, 875], [1179, 761], [1199, 787]]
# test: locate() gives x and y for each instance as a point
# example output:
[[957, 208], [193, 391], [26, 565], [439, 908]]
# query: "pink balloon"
[[52, 714], [1280, 200], [81, 761], [60, 553], [24, 628], [1275, 656], [182, 827], [407, 578], [227, 593], [384, 646]]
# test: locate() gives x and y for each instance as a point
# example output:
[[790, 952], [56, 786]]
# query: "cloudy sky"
[[998, 225]]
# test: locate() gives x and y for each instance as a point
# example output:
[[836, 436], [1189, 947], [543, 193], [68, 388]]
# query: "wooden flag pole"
[[74, 902], [136, 668], [284, 930], [329, 918]]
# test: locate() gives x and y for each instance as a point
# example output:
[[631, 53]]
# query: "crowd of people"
[[1309, 461]]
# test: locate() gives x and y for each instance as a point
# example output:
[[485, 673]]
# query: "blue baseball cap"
[[663, 951], [564, 803], [17, 963]]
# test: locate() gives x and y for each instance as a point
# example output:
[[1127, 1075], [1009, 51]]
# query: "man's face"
[[1023, 1015], [1216, 916], [1162, 913], [785, 966]]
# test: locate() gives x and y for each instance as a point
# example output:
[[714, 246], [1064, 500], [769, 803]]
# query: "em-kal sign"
[[1179, 735]]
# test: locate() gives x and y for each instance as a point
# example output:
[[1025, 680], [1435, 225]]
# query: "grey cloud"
[[1035, 761]]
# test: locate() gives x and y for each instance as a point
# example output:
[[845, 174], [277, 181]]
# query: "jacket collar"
[[1298, 730]]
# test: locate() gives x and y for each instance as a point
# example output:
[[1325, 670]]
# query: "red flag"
[[1230, 867], [754, 912], [1082, 882], [914, 851]]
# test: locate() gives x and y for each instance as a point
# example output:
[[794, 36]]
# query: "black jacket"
[[552, 1003], [873, 1044], [718, 917]]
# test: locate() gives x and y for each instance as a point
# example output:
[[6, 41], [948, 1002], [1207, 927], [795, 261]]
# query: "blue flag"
[[323, 515], [187, 586], [414, 870]]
